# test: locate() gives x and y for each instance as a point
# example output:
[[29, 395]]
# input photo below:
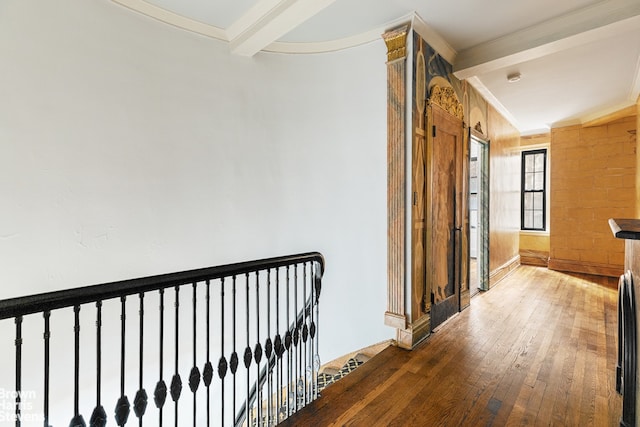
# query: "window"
[[534, 190]]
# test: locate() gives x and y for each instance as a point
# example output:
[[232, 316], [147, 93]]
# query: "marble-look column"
[[396, 41]]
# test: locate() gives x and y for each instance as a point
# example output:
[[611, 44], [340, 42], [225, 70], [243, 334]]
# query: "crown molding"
[[243, 24], [435, 40], [338, 44], [174, 19]]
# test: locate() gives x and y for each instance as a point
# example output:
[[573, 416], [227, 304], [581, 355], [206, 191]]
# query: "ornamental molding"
[[446, 98], [396, 41]]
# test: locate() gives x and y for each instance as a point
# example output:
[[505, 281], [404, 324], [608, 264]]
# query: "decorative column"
[[396, 40]]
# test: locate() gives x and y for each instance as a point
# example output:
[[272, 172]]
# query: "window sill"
[[534, 233]]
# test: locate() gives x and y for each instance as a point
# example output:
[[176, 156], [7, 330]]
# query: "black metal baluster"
[[77, 420], [176, 381], [258, 353], [247, 351], [268, 349], [47, 335], [296, 338], [194, 375], [123, 408], [287, 344], [160, 392], [279, 351], [312, 334], [222, 364], [18, 343], [207, 372], [317, 287], [99, 415], [141, 399], [305, 331], [234, 355]]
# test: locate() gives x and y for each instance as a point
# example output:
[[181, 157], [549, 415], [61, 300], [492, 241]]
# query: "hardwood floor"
[[538, 349]]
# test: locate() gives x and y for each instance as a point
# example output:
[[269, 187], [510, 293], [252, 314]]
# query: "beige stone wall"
[[534, 242], [593, 178]]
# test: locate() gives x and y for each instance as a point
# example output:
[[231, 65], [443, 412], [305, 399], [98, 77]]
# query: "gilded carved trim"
[[446, 98], [396, 41]]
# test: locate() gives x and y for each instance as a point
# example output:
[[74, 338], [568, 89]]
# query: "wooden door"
[[446, 219]]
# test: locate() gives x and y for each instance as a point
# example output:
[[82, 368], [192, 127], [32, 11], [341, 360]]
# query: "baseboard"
[[369, 351], [532, 257], [395, 320], [415, 332], [501, 272], [585, 267]]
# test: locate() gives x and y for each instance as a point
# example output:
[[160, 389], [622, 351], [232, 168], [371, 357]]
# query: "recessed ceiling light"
[[513, 77]]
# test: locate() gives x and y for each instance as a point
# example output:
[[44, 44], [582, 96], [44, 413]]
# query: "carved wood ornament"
[[446, 98], [396, 42]]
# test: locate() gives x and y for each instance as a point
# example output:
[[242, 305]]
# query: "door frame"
[[484, 198]]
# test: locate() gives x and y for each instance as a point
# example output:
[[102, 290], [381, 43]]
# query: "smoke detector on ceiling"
[[513, 77]]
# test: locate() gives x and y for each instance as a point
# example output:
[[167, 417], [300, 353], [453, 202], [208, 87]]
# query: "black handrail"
[[294, 339], [38, 303]]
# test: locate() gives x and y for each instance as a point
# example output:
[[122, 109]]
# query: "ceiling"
[[579, 60]]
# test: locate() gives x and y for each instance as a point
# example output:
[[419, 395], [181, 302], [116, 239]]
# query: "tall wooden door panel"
[[446, 227]]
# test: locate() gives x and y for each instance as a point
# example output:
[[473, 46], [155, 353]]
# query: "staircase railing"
[[626, 369], [300, 387], [267, 310]]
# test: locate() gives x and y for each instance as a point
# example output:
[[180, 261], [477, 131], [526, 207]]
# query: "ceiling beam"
[[267, 21], [604, 19]]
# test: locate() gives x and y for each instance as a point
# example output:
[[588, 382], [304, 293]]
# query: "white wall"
[[130, 148]]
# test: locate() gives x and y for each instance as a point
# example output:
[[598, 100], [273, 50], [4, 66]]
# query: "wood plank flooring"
[[539, 349]]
